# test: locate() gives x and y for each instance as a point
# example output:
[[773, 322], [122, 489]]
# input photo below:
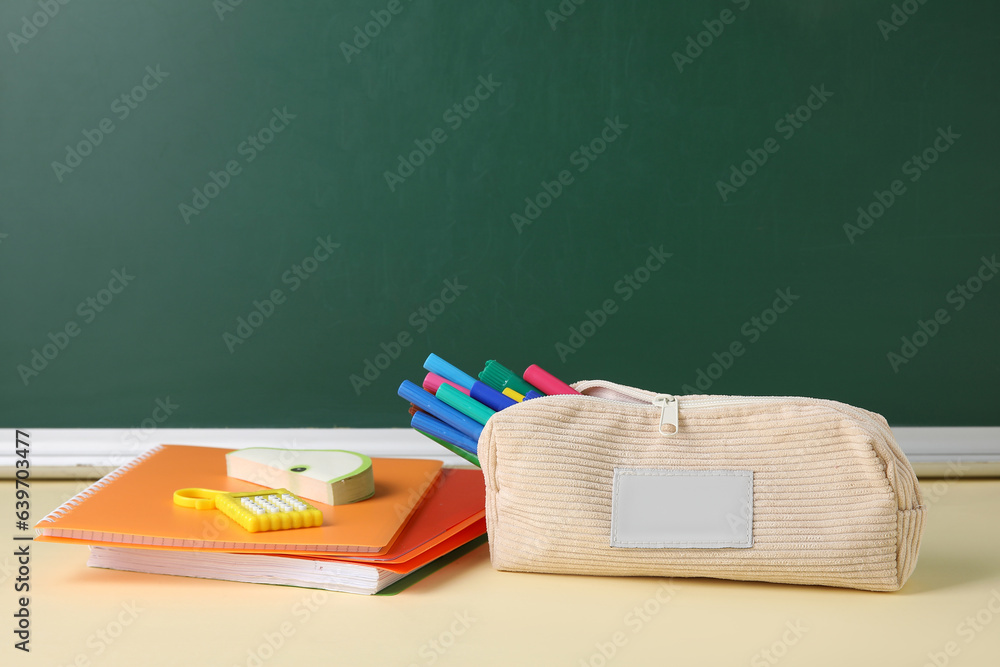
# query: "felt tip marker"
[[500, 377], [439, 366], [546, 382], [438, 429], [454, 449], [432, 381], [510, 393], [441, 410], [490, 397], [533, 394], [467, 406]]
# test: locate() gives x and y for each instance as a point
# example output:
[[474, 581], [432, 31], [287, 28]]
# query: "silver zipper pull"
[[668, 416]]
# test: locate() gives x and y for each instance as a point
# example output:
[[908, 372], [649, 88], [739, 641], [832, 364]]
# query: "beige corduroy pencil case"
[[622, 481]]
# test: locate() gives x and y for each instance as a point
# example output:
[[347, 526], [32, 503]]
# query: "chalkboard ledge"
[[935, 452]]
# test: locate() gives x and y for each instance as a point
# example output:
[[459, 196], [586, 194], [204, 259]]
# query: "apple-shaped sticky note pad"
[[330, 476]]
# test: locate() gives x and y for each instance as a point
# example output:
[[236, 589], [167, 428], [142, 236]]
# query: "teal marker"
[[464, 404]]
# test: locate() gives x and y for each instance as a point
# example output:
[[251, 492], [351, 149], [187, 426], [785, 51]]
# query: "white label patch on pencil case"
[[682, 509]]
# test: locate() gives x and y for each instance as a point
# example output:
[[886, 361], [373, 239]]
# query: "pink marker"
[[433, 381], [546, 382]]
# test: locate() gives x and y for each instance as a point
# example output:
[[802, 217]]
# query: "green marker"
[[500, 377], [464, 404]]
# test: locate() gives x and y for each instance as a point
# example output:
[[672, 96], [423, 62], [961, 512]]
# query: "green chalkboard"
[[242, 214]]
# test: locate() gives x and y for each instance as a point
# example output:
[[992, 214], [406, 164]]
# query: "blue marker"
[[436, 364], [533, 394], [424, 422], [440, 409], [490, 397]]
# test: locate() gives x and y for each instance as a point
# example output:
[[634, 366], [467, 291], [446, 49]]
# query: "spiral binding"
[[59, 512]]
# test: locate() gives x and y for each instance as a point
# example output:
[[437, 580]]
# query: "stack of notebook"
[[420, 517]]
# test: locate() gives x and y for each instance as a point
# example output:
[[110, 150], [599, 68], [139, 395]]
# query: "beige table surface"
[[468, 614]]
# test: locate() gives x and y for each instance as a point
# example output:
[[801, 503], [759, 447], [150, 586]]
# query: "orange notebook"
[[134, 506], [450, 516], [452, 513]]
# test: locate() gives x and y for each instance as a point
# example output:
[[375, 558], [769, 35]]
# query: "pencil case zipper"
[[671, 406]]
